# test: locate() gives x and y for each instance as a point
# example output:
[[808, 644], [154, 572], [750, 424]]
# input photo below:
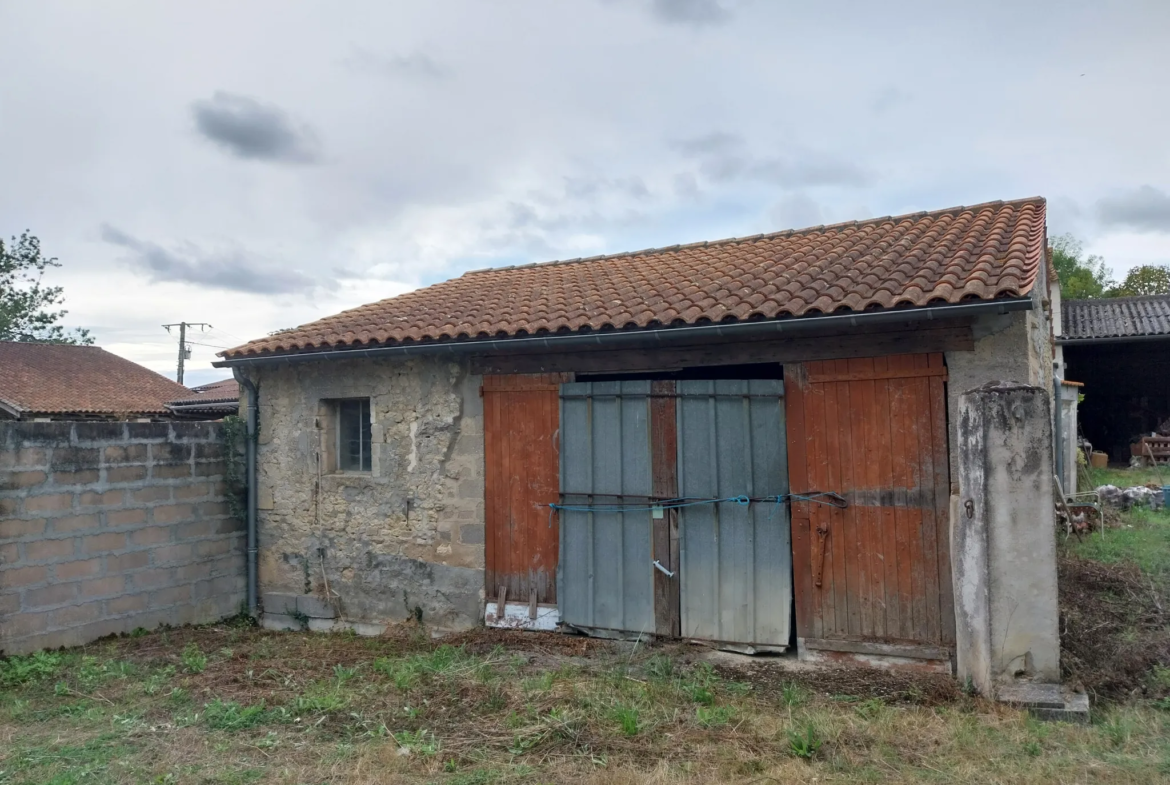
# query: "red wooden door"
[[521, 478], [874, 577]]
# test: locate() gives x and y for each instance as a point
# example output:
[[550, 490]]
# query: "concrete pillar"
[[1003, 540]]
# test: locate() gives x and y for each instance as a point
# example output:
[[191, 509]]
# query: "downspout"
[[250, 470]]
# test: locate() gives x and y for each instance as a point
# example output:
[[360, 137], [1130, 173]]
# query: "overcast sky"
[[257, 165]]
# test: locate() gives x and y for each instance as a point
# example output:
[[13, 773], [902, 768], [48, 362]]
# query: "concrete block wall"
[[106, 527]]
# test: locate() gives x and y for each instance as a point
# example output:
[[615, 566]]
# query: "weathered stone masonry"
[[105, 527], [405, 539]]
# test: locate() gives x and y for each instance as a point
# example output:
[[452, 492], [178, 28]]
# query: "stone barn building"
[[753, 442]]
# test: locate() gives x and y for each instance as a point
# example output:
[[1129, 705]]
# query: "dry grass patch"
[[233, 704]]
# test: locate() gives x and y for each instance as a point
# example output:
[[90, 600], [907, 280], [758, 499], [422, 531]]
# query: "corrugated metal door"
[[735, 558], [605, 575], [873, 577], [521, 475]]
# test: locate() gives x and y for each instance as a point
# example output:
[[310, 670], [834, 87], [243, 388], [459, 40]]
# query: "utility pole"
[[184, 347]]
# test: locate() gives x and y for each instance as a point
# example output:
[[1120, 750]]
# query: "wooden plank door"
[[873, 577], [521, 477]]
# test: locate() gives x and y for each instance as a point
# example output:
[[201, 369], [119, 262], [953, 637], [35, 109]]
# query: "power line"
[[184, 346]]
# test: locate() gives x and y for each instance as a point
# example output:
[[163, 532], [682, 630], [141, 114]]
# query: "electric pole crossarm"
[[184, 347]]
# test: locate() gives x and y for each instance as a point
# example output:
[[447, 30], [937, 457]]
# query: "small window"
[[353, 435]]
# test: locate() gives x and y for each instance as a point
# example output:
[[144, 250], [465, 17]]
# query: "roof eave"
[[1066, 341], [654, 337]]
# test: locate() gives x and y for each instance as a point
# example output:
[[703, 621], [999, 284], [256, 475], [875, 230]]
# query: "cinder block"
[[169, 452], [125, 474], [151, 535], [153, 579], [125, 453], [103, 499], [209, 469], [194, 491], [100, 431], [106, 541], [193, 530], [103, 587], [213, 547], [172, 512], [125, 517], [22, 479], [49, 550], [48, 596], [172, 595], [9, 604], [170, 471], [135, 560], [82, 568], [280, 622], [171, 554], [213, 509], [209, 451], [155, 493], [127, 603], [22, 624], [75, 523], [315, 607], [199, 431], [19, 577], [148, 431], [14, 528], [26, 457], [50, 502], [9, 554], [278, 603], [75, 614], [196, 571], [229, 525], [9, 506], [80, 477], [70, 459]]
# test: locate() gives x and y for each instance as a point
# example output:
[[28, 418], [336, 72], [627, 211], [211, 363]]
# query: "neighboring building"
[[1119, 349], [46, 381], [208, 401], [409, 450]]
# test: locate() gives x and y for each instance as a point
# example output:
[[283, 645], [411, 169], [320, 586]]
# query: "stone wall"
[[106, 527], [405, 539]]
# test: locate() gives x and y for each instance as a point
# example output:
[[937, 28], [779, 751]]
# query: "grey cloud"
[[249, 129], [416, 65], [724, 158], [888, 99], [588, 188], [234, 270], [694, 12], [1145, 209]]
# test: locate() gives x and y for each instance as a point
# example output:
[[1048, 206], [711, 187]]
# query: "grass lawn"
[[233, 704]]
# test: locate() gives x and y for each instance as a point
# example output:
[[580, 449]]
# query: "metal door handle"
[[658, 566], [819, 554]]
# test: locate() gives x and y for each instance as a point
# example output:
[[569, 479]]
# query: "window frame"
[[365, 436]]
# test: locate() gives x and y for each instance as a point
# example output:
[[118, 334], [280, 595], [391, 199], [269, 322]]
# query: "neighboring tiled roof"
[[223, 391], [981, 252], [42, 378], [1115, 317]]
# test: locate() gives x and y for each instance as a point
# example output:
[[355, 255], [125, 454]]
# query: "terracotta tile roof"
[[55, 379], [1115, 317], [981, 252], [216, 392]]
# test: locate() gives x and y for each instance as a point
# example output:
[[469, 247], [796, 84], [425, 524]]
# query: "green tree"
[[26, 304], [1081, 277], [1144, 279]]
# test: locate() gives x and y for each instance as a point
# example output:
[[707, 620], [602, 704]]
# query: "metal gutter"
[[1111, 339], [664, 336], [250, 469], [184, 407]]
